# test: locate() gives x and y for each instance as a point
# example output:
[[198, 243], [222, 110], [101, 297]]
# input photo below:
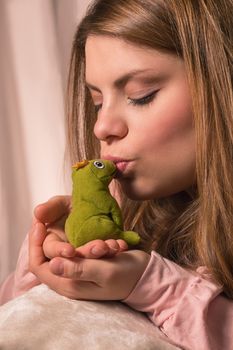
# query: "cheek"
[[171, 123]]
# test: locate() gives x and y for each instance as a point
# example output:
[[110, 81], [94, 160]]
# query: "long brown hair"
[[196, 226]]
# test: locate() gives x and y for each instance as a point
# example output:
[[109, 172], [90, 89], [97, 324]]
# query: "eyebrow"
[[129, 76]]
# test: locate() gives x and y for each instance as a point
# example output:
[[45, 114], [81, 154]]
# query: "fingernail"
[[58, 269], [67, 254], [114, 249], [98, 251]]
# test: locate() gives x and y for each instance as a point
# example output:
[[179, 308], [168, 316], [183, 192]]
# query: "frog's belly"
[[96, 227]]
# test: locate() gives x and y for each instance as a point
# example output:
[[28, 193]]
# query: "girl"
[[153, 80]]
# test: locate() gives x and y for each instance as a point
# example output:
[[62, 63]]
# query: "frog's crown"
[[81, 164]]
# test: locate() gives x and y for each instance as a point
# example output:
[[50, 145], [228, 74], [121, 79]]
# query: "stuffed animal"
[[95, 213]]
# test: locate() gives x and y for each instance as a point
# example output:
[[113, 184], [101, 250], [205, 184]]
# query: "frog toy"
[[95, 213]]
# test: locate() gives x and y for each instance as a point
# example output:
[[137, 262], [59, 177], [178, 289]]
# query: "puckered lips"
[[120, 163]]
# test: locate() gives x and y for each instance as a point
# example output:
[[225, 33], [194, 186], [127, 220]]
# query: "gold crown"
[[81, 164]]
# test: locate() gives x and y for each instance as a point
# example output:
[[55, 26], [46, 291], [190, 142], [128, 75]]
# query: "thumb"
[[53, 209]]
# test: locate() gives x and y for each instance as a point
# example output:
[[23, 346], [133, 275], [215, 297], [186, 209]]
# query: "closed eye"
[[97, 107], [143, 100]]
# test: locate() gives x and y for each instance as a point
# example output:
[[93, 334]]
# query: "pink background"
[[35, 39]]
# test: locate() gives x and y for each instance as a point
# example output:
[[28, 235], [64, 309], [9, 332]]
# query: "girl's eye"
[[135, 102], [97, 108], [143, 100]]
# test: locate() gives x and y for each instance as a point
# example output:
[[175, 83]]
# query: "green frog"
[[95, 213]]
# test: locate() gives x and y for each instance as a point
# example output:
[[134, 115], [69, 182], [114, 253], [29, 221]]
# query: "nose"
[[110, 125]]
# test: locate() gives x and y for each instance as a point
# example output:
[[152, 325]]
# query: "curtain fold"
[[35, 38]]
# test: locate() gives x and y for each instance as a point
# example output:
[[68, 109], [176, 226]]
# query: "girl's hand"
[[80, 278], [53, 213]]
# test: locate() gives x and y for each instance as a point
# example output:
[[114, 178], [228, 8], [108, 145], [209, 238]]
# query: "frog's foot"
[[131, 237]]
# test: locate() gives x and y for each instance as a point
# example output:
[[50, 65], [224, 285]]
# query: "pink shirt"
[[187, 306], [19, 281]]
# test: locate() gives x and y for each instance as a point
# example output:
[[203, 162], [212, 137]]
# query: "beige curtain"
[[35, 42]]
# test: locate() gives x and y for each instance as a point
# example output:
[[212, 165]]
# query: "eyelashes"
[[97, 108], [145, 100]]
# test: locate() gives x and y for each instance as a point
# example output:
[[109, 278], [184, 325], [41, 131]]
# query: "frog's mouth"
[[108, 177], [114, 173], [111, 175]]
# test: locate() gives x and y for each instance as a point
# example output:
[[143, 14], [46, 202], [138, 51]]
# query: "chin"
[[141, 191], [138, 193]]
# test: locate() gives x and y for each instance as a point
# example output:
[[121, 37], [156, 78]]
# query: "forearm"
[[6, 289], [21, 280], [184, 305]]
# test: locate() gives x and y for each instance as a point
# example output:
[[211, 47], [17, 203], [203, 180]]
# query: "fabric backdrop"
[[35, 39]]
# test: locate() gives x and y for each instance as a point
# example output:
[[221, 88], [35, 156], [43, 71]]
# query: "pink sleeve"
[[20, 280], [187, 306]]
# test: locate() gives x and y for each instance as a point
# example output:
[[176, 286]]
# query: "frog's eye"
[[98, 164]]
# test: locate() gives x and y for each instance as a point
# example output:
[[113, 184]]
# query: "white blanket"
[[43, 320]]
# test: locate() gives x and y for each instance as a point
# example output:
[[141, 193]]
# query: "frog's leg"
[[97, 227], [130, 237], [116, 214], [102, 227]]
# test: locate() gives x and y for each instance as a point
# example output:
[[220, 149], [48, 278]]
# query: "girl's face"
[[144, 113]]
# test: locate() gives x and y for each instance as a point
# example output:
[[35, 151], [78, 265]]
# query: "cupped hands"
[[99, 270]]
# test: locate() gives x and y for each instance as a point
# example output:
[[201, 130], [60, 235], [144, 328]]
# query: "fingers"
[[115, 247], [123, 246], [66, 268], [80, 278], [72, 268], [109, 275], [53, 209], [55, 246], [39, 265], [36, 239], [98, 248], [94, 249], [84, 278], [76, 269], [37, 260]]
